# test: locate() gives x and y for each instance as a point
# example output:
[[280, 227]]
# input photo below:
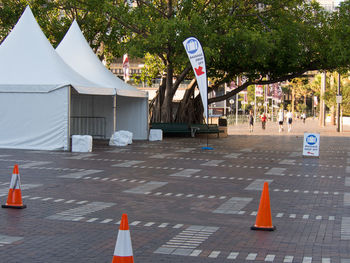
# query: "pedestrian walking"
[[251, 121], [263, 120], [280, 120], [303, 117], [289, 117]]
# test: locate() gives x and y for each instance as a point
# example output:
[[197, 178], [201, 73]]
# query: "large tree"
[[55, 17], [277, 39]]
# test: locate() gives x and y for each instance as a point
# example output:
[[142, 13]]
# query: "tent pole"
[[114, 113], [69, 113], [207, 125], [147, 117]]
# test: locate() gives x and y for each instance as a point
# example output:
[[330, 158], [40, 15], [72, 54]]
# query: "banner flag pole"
[[196, 56]]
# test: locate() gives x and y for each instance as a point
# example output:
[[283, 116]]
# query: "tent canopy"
[[76, 52], [28, 63], [35, 87], [130, 107]]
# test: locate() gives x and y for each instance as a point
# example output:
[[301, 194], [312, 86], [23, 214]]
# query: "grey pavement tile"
[[182, 251], [4, 239], [186, 172], [276, 171], [81, 174], [128, 164], [309, 210], [147, 187], [233, 205], [346, 199], [164, 250], [34, 164], [258, 184], [347, 181]]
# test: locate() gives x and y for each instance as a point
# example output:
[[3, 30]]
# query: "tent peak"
[[40, 63], [76, 52]]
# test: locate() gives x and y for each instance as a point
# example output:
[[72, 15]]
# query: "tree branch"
[[262, 22], [153, 7], [181, 77], [260, 82]]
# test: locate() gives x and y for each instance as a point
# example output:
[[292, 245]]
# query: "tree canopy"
[[277, 39]]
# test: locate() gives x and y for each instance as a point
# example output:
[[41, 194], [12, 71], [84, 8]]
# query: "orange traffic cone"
[[123, 248], [264, 218], [14, 199]]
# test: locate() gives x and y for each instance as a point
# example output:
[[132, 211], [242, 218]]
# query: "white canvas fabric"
[[131, 112], [76, 52], [34, 120], [132, 115], [35, 88], [28, 59], [92, 106]]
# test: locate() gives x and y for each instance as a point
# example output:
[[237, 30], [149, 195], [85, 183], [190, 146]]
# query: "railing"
[[231, 119], [94, 126]]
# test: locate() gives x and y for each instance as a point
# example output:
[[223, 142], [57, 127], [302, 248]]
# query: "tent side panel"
[[92, 115], [132, 115], [103, 106], [34, 120]]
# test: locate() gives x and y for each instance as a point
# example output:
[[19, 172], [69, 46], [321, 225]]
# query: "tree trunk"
[[156, 104], [333, 115], [167, 106], [293, 100], [322, 117], [161, 107], [185, 112]]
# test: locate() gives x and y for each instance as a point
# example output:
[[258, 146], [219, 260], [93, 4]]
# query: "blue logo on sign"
[[192, 46], [311, 139]]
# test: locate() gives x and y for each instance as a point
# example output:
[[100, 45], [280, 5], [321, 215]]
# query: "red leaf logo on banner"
[[199, 71]]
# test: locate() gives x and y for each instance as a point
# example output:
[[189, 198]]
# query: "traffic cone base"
[[14, 199], [14, 206], [263, 228], [264, 218], [117, 259]]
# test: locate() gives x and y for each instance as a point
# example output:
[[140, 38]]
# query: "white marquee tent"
[[35, 91], [131, 104]]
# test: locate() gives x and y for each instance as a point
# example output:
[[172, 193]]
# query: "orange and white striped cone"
[[14, 199], [123, 249]]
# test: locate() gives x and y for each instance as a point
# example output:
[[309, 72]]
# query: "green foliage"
[[153, 67], [280, 39], [301, 108], [345, 90], [331, 88], [55, 17], [10, 11]]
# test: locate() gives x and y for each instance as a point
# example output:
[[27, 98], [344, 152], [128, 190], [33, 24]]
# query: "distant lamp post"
[[339, 101], [231, 101]]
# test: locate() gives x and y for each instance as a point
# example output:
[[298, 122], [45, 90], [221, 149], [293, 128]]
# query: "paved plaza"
[[184, 204]]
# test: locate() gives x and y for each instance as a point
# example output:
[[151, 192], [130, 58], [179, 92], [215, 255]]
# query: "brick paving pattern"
[[184, 204]]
